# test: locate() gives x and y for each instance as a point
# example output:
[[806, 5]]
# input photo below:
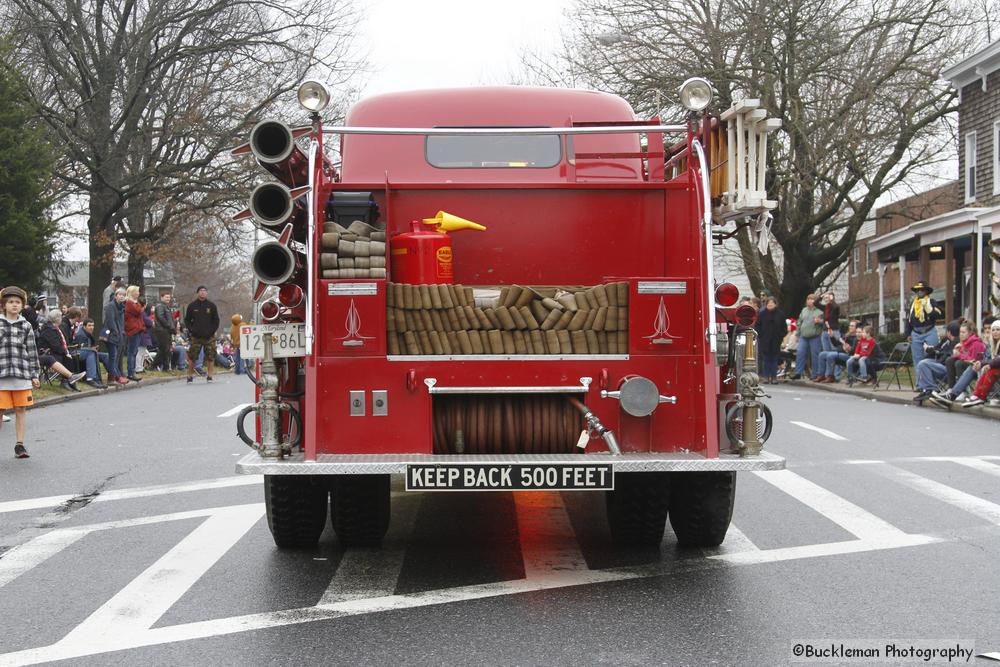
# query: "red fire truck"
[[504, 289]]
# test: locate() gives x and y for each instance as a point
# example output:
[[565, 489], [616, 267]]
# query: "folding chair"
[[898, 359]]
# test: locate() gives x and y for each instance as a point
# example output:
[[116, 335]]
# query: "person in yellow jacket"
[[234, 336]]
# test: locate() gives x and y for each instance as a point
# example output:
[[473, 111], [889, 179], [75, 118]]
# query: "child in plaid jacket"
[[19, 366]]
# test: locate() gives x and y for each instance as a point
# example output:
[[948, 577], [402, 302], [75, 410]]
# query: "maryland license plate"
[[287, 340], [510, 477]]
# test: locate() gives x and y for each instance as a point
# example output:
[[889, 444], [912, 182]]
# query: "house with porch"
[[943, 235], [74, 281]]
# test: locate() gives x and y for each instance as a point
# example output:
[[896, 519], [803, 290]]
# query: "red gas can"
[[423, 256]]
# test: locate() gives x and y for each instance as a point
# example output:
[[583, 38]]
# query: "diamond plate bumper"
[[380, 464]]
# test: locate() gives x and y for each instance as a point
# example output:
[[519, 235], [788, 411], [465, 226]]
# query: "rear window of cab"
[[486, 151]]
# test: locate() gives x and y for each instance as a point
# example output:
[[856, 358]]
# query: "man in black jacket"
[[202, 321], [163, 330], [933, 369]]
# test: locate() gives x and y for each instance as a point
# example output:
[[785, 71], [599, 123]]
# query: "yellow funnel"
[[446, 222]]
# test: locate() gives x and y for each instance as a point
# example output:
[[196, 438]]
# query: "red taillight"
[[746, 315], [290, 295], [727, 294], [269, 310]]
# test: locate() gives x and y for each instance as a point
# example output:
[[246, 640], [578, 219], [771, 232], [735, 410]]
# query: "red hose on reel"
[[528, 424]]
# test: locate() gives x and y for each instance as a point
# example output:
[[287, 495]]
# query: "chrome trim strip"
[[662, 287], [352, 289], [508, 131], [551, 389], [393, 464], [507, 357]]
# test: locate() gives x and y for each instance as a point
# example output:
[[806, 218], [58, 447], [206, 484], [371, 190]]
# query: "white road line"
[[821, 431], [24, 557], [374, 573], [34, 552], [137, 606], [233, 411], [861, 523], [818, 550], [975, 464], [136, 492], [548, 542], [960, 499]]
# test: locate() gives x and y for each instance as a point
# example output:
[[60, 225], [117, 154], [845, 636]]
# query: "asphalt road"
[[126, 539]]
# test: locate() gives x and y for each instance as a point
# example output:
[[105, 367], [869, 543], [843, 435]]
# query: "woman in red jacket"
[[134, 328]]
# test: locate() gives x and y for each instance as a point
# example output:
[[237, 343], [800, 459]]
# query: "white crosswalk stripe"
[[365, 581]]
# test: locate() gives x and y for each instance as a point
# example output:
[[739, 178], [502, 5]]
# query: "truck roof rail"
[[500, 131]]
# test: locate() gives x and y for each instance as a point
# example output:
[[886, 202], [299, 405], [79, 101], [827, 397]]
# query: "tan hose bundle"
[[521, 320], [356, 251]]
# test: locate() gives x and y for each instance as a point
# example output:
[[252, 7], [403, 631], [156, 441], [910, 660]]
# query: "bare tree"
[[146, 98], [855, 83]]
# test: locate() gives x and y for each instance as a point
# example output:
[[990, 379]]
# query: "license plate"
[[287, 340], [510, 477]]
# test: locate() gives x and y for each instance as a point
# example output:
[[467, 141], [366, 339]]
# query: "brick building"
[[942, 235]]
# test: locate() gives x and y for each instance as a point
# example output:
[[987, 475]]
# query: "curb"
[[981, 412], [131, 386]]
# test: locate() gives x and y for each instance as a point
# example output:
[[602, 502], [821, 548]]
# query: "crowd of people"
[[952, 367], [41, 344]]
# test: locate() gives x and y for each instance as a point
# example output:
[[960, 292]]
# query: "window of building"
[[855, 261], [970, 167], [868, 261]]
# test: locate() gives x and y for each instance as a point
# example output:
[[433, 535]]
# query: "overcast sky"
[[448, 43]]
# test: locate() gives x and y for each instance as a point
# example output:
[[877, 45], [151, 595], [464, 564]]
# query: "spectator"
[[810, 326], [110, 290], [789, 347], [113, 335], [859, 362], [34, 308], [933, 369], [179, 354], [145, 338], [829, 361], [830, 340], [920, 327], [164, 326], [134, 327], [53, 350], [18, 362], [771, 329], [202, 320], [234, 336], [970, 349], [224, 354], [70, 323], [991, 370], [90, 355]]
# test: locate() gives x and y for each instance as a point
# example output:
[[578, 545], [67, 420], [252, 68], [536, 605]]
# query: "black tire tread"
[[359, 509], [701, 507], [637, 508], [296, 510]]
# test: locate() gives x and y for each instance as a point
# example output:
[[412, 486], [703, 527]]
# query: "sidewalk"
[[91, 391], [894, 395]]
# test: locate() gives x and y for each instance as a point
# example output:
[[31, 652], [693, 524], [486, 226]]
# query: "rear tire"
[[296, 509], [701, 507], [359, 509], [637, 508]]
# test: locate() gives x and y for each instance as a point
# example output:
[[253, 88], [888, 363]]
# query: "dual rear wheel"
[[297, 509], [699, 506]]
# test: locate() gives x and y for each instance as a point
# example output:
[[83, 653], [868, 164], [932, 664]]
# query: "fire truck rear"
[[504, 289]]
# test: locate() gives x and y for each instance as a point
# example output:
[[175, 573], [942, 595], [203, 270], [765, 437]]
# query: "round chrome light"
[[696, 93], [313, 96]]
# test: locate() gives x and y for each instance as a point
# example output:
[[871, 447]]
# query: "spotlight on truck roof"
[[313, 96], [696, 93]]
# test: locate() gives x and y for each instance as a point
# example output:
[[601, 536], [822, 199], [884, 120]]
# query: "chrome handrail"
[[313, 148], [709, 253]]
